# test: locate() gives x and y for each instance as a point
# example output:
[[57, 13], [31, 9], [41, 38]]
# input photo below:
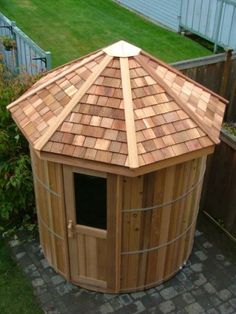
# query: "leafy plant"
[[16, 187], [230, 127], [8, 42]]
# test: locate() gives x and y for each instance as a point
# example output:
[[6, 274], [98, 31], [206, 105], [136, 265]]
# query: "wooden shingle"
[[121, 107]]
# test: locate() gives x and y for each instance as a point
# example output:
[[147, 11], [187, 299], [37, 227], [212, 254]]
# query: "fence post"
[[231, 110], [48, 60], [226, 72]]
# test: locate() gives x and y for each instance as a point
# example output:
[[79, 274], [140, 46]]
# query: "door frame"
[[68, 173], [112, 233]]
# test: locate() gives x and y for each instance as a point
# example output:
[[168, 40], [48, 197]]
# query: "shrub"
[[16, 187], [8, 42]]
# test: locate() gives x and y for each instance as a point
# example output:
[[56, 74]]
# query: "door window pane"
[[90, 200]]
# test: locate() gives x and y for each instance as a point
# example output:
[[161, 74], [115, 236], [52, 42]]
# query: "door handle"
[[70, 229]]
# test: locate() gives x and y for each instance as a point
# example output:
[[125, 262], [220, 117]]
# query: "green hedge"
[[16, 186]]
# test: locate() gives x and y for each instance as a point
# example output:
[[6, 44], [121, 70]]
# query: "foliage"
[[16, 188], [15, 290], [8, 42], [230, 127], [73, 28]]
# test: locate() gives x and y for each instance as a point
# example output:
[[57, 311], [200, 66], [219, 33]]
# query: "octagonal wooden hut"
[[118, 142]]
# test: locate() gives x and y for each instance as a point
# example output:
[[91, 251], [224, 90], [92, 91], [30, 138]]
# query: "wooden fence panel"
[[219, 197], [216, 72]]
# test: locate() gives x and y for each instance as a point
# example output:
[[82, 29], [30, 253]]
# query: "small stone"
[[64, 288], [198, 292], [198, 233], [212, 311], [81, 291], [188, 298], [187, 271], [29, 269], [20, 255], [157, 297], [207, 245], [201, 280], [139, 306], [35, 248], [106, 308], [14, 243], [116, 304], [224, 294], [226, 308], [197, 267], [109, 296], [232, 288], [167, 307], [125, 299], [45, 298], [44, 263], [194, 308], [209, 288], [181, 277], [35, 274], [201, 255], [152, 310], [220, 257], [56, 280], [168, 293], [160, 287], [50, 309], [38, 282], [187, 263], [150, 291], [233, 302], [41, 290], [138, 295], [214, 300], [227, 263]]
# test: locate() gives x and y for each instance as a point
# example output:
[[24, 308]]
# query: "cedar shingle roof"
[[119, 106]]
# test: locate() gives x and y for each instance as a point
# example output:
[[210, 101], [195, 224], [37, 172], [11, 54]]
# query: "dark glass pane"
[[91, 201]]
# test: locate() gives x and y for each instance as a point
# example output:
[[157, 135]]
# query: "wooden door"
[[87, 244]]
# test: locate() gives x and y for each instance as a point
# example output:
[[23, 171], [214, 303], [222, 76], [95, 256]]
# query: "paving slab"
[[207, 284]]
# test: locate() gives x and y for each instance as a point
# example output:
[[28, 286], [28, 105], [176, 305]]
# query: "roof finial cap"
[[122, 49]]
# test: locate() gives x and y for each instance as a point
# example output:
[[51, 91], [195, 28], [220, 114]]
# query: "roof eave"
[[123, 170]]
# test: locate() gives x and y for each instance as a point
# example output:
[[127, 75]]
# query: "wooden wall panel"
[[114, 227], [157, 241], [131, 231], [48, 183], [141, 248]]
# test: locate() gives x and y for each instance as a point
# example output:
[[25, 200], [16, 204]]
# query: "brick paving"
[[207, 284]]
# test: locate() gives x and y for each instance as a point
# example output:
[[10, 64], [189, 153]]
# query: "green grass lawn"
[[16, 294], [72, 28]]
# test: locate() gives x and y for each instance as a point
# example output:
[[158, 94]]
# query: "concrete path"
[[206, 285]]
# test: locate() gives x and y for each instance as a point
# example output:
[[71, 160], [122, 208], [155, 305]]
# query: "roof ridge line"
[[192, 115], [53, 79], [176, 71], [72, 103], [129, 113]]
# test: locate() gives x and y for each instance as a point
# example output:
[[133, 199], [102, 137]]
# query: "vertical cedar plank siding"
[[122, 260], [51, 212], [164, 12], [174, 223]]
